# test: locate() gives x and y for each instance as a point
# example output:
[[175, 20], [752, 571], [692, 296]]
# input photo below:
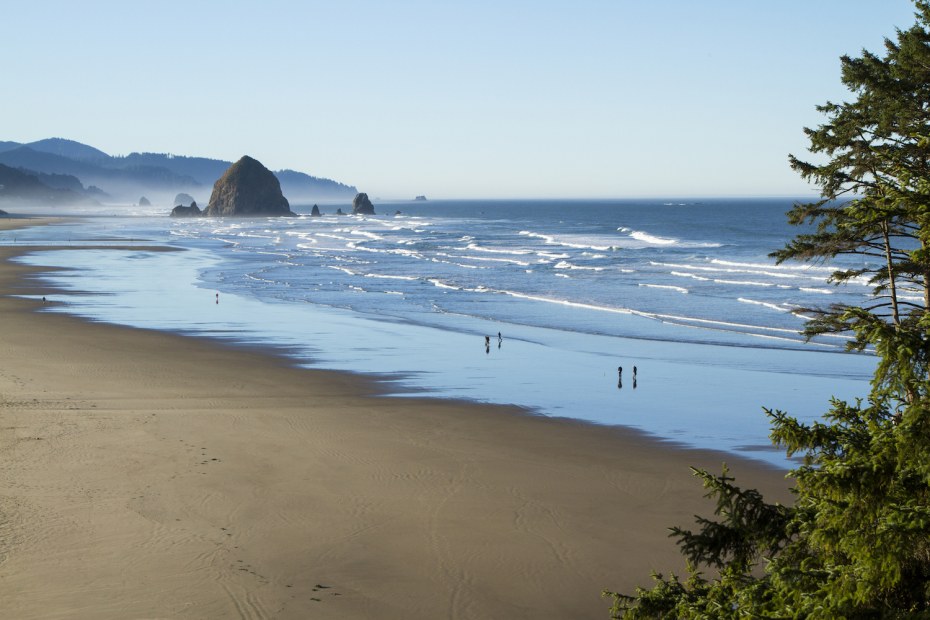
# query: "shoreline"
[[324, 321], [154, 474]]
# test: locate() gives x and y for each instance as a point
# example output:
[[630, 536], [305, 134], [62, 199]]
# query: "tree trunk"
[[892, 288]]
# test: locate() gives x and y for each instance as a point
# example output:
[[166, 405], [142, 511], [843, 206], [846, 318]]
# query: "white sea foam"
[[332, 236], [571, 241], [390, 277], [715, 323], [440, 284], [487, 259], [747, 271], [477, 248], [693, 276], [565, 302], [788, 267], [824, 291], [652, 239], [449, 262], [765, 304], [744, 282], [677, 289], [567, 265], [369, 235], [491, 260]]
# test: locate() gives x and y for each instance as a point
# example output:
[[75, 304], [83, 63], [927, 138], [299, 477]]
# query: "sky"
[[476, 99]]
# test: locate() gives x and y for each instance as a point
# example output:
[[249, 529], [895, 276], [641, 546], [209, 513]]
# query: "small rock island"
[[247, 188], [191, 211], [361, 205]]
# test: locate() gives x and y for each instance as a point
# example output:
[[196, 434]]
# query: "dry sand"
[[145, 475]]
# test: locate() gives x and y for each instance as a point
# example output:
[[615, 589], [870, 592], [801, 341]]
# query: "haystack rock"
[[361, 205], [183, 199], [247, 188], [145, 202], [315, 211]]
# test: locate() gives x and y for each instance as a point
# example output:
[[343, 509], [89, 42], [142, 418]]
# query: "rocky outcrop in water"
[[145, 202], [315, 211], [182, 211], [247, 188], [361, 205]]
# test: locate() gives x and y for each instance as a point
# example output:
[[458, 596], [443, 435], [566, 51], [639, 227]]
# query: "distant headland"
[[58, 171]]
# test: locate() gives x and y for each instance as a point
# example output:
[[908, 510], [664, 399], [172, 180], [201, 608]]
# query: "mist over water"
[[683, 290]]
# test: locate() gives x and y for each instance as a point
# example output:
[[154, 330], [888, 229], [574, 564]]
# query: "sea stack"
[[361, 205], [191, 211], [315, 211], [183, 199], [247, 188]]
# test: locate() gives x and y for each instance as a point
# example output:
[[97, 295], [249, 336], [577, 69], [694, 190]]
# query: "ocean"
[[682, 291]]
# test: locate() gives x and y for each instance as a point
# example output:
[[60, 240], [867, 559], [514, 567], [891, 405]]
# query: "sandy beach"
[[148, 475]]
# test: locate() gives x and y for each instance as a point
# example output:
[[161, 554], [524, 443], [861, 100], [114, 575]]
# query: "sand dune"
[[147, 475]]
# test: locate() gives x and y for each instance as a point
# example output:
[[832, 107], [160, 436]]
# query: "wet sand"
[[148, 475]]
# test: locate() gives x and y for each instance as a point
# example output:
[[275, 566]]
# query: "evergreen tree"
[[856, 542]]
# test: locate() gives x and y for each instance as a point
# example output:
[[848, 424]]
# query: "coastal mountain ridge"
[[22, 186], [160, 176]]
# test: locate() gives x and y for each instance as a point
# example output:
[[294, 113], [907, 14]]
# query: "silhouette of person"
[[217, 298], [634, 372], [487, 341]]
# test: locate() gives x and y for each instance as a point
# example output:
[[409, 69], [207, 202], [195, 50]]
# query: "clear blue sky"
[[484, 98]]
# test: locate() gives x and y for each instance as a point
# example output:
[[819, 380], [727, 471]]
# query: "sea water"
[[682, 290]]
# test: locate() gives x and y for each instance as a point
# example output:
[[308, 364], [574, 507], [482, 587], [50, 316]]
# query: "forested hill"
[[18, 186]]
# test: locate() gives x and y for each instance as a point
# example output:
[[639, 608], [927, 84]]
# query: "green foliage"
[[874, 185], [856, 542]]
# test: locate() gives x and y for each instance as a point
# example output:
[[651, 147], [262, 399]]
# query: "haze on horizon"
[[602, 98]]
